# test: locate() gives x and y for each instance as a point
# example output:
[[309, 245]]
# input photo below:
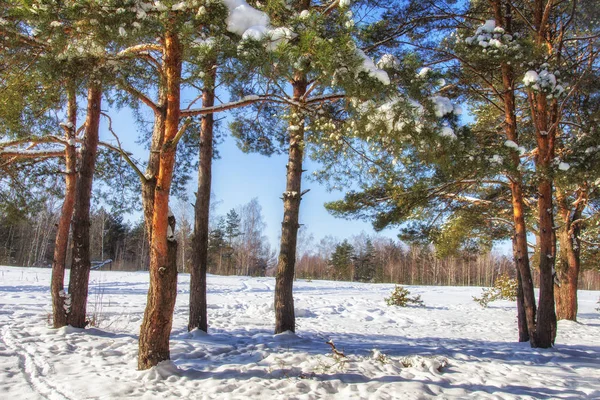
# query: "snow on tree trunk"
[[57, 285], [158, 316], [198, 313], [80, 265], [285, 319]]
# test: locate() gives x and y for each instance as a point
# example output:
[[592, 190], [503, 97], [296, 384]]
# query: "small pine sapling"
[[401, 297], [505, 288]]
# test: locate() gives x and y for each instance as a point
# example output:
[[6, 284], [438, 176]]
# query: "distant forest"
[[238, 246]]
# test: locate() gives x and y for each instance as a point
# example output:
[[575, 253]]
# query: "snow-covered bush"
[[505, 288], [401, 297]]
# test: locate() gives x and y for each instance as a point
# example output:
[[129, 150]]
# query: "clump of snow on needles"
[[448, 133], [544, 81], [443, 105], [370, 68], [243, 16], [253, 24]]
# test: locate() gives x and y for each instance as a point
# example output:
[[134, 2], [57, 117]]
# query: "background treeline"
[[238, 246]]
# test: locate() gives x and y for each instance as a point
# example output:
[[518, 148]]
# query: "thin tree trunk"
[[198, 313], [80, 264], [158, 316], [285, 319], [521, 311], [57, 285]]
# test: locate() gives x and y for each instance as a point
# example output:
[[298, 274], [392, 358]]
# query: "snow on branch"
[[140, 49], [467, 199], [247, 100], [33, 141], [325, 98], [26, 39], [18, 154]]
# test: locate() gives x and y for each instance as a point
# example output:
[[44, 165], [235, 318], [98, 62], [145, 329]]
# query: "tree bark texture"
[[158, 316], [57, 285], [546, 319], [80, 264], [545, 118], [198, 305], [568, 263], [149, 184], [285, 319], [525, 296]]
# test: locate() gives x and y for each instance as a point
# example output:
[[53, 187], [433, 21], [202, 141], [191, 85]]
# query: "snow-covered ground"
[[451, 348]]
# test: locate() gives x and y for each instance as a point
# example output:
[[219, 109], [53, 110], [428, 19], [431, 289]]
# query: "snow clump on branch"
[[370, 68], [253, 24], [388, 61], [544, 81], [443, 106], [493, 39]]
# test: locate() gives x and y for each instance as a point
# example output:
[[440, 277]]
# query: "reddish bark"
[[525, 297], [198, 306], [544, 117], [568, 263], [57, 285], [546, 320], [80, 265], [158, 316]]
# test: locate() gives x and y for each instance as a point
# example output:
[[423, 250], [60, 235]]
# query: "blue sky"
[[239, 177]]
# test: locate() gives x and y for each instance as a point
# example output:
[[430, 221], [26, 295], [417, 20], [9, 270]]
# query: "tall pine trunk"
[[198, 313], [80, 264], [57, 285], [546, 319], [285, 319], [544, 117], [525, 294], [568, 263], [158, 316]]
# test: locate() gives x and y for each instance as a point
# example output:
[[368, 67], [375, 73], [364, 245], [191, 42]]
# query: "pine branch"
[[125, 155], [226, 106], [18, 154], [139, 95]]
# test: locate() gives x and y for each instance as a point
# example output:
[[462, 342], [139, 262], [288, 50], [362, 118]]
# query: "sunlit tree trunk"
[[158, 316]]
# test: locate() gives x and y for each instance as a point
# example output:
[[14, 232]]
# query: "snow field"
[[451, 348]]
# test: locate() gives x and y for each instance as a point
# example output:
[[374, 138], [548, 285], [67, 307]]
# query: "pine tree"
[[364, 263], [341, 261], [308, 61]]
